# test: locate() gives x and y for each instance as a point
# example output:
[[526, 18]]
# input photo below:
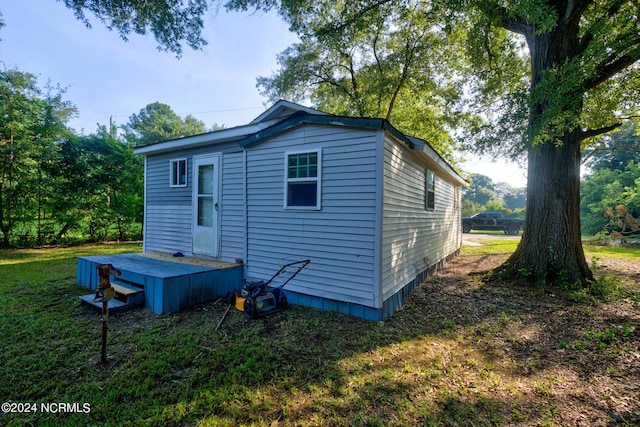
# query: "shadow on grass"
[[460, 352]]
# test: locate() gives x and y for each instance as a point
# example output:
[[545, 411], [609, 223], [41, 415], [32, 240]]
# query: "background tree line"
[[536, 78], [57, 186], [612, 184]]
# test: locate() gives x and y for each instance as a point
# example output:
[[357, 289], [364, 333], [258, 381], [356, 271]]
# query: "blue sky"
[[107, 77]]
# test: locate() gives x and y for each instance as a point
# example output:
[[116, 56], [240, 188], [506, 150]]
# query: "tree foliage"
[[172, 22], [615, 150], [31, 123], [605, 189], [480, 190], [157, 122], [483, 194], [592, 76], [545, 78], [53, 182], [395, 62]]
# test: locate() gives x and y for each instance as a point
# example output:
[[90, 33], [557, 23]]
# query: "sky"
[[107, 78]]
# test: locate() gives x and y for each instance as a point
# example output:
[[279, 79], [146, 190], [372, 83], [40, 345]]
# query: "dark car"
[[492, 221]]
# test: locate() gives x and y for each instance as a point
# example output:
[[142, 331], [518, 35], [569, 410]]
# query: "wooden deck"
[[170, 283]]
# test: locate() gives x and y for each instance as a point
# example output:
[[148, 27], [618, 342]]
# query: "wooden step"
[[114, 305], [125, 290], [127, 296]]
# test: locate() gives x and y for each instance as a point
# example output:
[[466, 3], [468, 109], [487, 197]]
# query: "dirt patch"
[[461, 351], [560, 358]]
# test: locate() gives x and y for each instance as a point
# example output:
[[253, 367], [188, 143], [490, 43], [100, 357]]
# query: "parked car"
[[492, 221]]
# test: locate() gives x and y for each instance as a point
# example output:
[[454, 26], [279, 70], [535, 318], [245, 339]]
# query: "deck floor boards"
[[170, 284], [148, 266]]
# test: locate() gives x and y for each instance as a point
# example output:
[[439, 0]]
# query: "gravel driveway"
[[476, 238]]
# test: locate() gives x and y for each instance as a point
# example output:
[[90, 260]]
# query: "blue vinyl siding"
[[169, 211], [414, 239], [370, 238], [338, 238]]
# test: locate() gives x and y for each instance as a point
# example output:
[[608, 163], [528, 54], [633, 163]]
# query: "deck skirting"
[[390, 305], [172, 286], [168, 286]]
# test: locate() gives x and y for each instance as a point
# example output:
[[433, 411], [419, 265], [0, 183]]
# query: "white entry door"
[[206, 200]]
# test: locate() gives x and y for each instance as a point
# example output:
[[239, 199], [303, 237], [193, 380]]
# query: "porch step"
[[114, 305], [127, 296]]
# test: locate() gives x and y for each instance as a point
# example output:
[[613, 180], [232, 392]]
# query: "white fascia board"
[[282, 109], [218, 136], [442, 164], [424, 150]]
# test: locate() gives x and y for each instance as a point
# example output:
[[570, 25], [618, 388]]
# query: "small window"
[[430, 190], [302, 183], [178, 173]]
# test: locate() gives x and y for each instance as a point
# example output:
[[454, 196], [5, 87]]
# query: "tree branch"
[[590, 133], [589, 34], [610, 69], [342, 24], [629, 148], [515, 24]]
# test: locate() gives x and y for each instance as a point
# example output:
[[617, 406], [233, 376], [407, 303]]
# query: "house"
[[374, 210]]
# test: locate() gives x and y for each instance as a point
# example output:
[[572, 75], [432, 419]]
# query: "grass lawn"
[[460, 352]]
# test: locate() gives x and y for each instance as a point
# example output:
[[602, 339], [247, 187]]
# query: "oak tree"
[[172, 22], [582, 73]]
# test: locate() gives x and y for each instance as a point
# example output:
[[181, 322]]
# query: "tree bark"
[[550, 251]]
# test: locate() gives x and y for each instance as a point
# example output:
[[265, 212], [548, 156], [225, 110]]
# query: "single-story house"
[[374, 210]]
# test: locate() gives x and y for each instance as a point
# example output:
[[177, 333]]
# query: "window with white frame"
[[178, 176], [302, 183], [430, 190]]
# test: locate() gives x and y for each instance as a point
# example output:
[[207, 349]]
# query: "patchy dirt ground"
[[561, 357], [461, 352]]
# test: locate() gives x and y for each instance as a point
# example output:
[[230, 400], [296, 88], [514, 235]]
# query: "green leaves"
[[157, 122], [393, 60], [31, 126], [171, 22]]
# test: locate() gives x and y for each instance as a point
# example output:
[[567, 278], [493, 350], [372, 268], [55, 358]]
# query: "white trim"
[[282, 109], [317, 179], [144, 208], [214, 137], [428, 208], [173, 163], [245, 209], [379, 217], [216, 160]]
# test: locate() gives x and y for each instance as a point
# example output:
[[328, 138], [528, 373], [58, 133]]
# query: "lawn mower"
[[259, 298]]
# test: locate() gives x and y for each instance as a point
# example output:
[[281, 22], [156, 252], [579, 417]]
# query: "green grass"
[[507, 246], [493, 247], [430, 364], [611, 251]]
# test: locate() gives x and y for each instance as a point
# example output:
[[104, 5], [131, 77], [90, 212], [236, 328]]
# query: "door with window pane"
[[206, 199]]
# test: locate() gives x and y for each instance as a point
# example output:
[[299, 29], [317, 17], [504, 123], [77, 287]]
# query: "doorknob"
[[216, 205]]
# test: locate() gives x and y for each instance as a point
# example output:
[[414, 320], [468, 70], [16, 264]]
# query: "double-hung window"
[[302, 182], [178, 173], [430, 190]]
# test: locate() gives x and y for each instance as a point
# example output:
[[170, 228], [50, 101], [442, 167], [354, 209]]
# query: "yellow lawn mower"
[[260, 298]]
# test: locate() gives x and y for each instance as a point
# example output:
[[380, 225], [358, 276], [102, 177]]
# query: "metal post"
[[104, 293], [105, 326]]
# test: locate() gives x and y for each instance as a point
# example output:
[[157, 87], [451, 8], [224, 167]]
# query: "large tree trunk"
[[551, 248]]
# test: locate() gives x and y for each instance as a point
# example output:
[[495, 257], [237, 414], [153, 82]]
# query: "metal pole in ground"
[[105, 326]]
